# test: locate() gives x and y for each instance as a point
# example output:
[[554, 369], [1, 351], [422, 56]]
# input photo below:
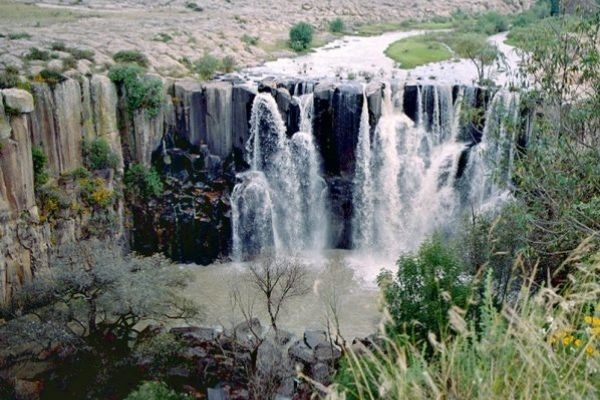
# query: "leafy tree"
[[301, 36], [478, 50], [92, 292], [420, 294]]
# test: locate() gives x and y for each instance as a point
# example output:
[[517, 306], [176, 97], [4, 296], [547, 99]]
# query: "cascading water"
[[490, 167], [404, 180], [280, 202]]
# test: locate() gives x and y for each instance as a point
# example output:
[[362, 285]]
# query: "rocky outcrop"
[[219, 136]]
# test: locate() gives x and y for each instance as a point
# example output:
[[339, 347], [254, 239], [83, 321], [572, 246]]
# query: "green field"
[[30, 15], [418, 50]]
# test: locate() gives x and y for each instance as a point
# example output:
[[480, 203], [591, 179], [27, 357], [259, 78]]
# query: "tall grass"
[[543, 345]]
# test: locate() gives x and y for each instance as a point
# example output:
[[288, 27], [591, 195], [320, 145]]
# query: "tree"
[[478, 50], [301, 36], [92, 292], [277, 281]]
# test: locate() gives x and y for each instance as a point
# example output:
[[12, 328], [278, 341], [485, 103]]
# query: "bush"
[[143, 182], [19, 35], [156, 391], [37, 54], [131, 56], [81, 54], [95, 194], [337, 25], [98, 155], [423, 290], [69, 63], [9, 78], [250, 40], [40, 174], [207, 66], [58, 46], [194, 6], [228, 64], [52, 78], [301, 36], [142, 92]]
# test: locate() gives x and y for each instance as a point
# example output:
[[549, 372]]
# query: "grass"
[[543, 345], [378, 29], [418, 50], [31, 15]]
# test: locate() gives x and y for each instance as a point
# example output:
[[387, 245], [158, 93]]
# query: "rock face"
[[19, 101], [196, 142]]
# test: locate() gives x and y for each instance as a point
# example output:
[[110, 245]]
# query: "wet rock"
[[314, 338], [195, 335], [28, 390], [321, 373], [18, 100], [374, 93], [347, 103], [242, 99], [327, 352], [217, 394], [299, 351]]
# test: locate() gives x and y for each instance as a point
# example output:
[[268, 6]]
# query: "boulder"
[[314, 338], [327, 353], [18, 100], [300, 352], [5, 128], [321, 373]]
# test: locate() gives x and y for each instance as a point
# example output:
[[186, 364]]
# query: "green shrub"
[[163, 37], [52, 78], [141, 181], [194, 6], [94, 193], [98, 155], [301, 36], [81, 54], [9, 78], [51, 201], [337, 25], [69, 63], [19, 35], [131, 56], [40, 160], [250, 40], [207, 66], [423, 290], [58, 46], [37, 54], [142, 92], [156, 391], [228, 64], [161, 352], [80, 173]]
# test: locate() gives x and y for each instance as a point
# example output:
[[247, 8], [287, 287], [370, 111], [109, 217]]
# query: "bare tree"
[[278, 280]]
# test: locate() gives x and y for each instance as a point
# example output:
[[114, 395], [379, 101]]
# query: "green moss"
[[40, 174], [418, 50], [52, 78]]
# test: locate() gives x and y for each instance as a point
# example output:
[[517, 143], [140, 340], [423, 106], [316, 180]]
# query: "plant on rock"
[[98, 155], [142, 182], [142, 91]]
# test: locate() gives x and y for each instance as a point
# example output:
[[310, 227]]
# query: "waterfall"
[[404, 179], [490, 166], [281, 202], [363, 194]]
